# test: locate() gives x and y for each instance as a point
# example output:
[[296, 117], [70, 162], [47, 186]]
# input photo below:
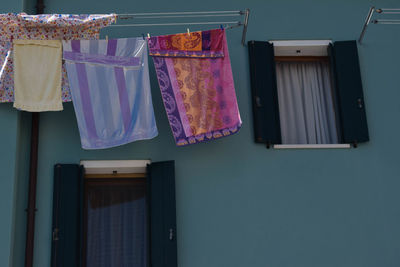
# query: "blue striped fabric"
[[111, 93]]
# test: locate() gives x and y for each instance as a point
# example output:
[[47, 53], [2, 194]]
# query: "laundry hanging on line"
[[43, 27], [197, 87], [193, 70], [37, 75], [110, 88]]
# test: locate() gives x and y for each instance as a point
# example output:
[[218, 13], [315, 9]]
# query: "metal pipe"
[[390, 12], [246, 22], [176, 16], [183, 13], [178, 23], [387, 21], [40, 6], [389, 9], [367, 21]]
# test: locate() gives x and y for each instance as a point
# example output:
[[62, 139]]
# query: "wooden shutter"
[[350, 97], [67, 214], [264, 93], [162, 215]]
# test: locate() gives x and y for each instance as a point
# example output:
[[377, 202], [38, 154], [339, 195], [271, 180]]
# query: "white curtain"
[[116, 232], [306, 109]]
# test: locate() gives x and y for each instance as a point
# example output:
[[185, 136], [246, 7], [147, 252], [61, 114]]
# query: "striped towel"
[[110, 88]]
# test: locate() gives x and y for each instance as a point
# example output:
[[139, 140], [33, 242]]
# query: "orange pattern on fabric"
[[196, 85], [187, 42]]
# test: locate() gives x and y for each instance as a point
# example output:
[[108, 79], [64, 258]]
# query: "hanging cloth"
[[195, 78], [110, 88], [43, 27], [37, 75]]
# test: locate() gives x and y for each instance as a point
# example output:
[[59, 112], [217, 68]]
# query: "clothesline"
[[194, 13], [189, 14], [237, 23]]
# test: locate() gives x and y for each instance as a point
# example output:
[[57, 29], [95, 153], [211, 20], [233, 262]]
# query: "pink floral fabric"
[[43, 27]]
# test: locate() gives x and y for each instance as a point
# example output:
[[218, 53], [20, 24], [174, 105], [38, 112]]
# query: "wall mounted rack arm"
[[366, 23], [380, 14]]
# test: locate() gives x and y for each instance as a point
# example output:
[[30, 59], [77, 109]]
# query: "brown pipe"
[[31, 210], [40, 7]]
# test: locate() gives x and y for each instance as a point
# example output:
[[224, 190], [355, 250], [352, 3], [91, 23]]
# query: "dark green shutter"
[[335, 95], [161, 184], [349, 92], [67, 212], [264, 93]]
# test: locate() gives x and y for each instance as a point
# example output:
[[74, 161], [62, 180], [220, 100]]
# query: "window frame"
[[113, 180], [66, 246], [113, 172], [305, 49]]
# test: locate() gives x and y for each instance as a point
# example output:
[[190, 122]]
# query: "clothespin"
[[222, 27], [106, 37], [148, 35], [143, 36], [188, 32]]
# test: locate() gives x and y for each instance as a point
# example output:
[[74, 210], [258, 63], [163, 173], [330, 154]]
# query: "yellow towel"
[[37, 75]]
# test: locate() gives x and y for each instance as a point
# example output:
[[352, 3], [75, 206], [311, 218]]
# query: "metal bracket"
[[55, 234], [382, 12], [246, 23], [366, 23]]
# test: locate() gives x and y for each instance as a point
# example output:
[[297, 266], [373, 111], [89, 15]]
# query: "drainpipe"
[[31, 210]]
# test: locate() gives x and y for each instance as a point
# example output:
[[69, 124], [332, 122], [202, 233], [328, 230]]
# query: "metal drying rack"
[[381, 19], [243, 14]]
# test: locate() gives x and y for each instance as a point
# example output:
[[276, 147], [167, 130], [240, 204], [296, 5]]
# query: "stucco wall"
[[9, 121], [239, 204]]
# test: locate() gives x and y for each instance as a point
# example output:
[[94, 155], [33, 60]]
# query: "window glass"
[[115, 222]]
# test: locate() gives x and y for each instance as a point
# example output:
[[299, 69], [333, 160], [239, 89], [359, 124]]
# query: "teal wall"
[[9, 136], [239, 204], [8, 143]]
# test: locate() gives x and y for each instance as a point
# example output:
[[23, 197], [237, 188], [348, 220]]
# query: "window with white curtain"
[[306, 109], [305, 98], [307, 94]]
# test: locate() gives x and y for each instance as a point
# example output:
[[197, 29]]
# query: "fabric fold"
[[110, 88], [197, 87]]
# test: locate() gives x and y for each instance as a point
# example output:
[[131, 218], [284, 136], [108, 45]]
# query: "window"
[[113, 215], [307, 93], [115, 221]]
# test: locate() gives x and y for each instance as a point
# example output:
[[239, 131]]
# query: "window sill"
[[311, 146]]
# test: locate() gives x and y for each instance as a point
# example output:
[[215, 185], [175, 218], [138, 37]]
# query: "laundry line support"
[[381, 12], [388, 10], [193, 14], [198, 13], [178, 23], [366, 23], [386, 21]]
